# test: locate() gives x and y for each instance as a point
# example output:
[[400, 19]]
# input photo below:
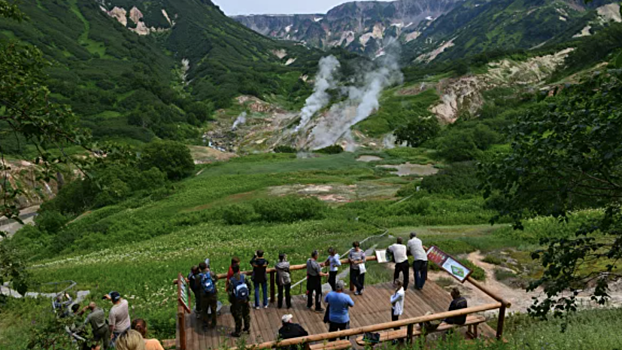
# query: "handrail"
[[295, 267], [375, 328]]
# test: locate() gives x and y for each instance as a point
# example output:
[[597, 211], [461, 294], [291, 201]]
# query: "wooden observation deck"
[[371, 308], [371, 313]]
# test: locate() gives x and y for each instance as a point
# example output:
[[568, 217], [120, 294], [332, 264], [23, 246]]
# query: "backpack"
[[207, 283], [240, 289]]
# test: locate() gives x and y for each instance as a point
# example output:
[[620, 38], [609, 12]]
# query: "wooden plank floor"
[[371, 308]]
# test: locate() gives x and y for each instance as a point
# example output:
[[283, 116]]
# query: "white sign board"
[[381, 255]]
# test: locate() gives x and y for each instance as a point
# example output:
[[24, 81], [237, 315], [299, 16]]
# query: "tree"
[[418, 131], [172, 158], [565, 156]]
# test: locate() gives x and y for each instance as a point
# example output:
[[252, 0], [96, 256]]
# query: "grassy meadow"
[[138, 246]]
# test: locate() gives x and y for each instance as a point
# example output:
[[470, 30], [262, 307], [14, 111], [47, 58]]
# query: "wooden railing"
[[408, 323], [272, 272]]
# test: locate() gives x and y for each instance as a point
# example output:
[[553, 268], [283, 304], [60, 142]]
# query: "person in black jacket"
[[291, 330], [458, 303], [194, 287]]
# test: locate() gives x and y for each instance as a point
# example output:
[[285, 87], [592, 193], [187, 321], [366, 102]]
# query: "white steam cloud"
[[324, 81], [362, 101], [241, 119]]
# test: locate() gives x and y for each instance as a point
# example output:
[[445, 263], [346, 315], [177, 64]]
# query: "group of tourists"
[[238, 287], [115, 331]]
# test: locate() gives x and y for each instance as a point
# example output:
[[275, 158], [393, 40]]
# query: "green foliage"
[[50, 222], [418, 131], [566, 156], [289, 209], [334, 149], [459, 179], [284, 149], [12, 269], [237, 215], [172, 158], [458, 146], [478, 273], [396, 110], [491, 259]]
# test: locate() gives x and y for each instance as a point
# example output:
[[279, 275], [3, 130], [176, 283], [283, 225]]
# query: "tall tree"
[[566, 155]]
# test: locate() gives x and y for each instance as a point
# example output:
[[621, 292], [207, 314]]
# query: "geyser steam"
[[241, 119], [342, 116], [324, 81]]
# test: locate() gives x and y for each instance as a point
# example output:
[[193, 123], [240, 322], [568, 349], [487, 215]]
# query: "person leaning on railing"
[[420, 263]]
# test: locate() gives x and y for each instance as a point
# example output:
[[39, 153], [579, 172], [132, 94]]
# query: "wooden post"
[[409, 333], [181, 321], [181, 314], [272, 286], [500, 322]]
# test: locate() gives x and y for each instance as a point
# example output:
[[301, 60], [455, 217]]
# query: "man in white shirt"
[[397, 302], [401, 261], [334, 263], [420, 264]]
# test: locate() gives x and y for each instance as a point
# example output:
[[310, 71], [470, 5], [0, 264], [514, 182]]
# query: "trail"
[[11, 226], [521, 299]]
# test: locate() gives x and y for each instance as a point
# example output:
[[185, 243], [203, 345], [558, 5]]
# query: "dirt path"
[[521, 300]]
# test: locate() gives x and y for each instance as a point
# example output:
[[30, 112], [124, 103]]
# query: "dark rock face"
[[356, 26]]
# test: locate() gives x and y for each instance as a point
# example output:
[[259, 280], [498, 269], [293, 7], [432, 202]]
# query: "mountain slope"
[[357, 26], [478, 26], [428, 28], [135, 69]]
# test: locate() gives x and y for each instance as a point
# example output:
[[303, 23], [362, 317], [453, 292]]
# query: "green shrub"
[[491, 259], [237, 215], [503, 274], [284, 149], [289, 209], [458, 146], [50, 221], [418, 131], [334, 149], [478, 273], [172, 158], [413, 207], [458, 180]]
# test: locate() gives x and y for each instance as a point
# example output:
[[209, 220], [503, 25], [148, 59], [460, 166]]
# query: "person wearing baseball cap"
[[119, 316], [291, 330]]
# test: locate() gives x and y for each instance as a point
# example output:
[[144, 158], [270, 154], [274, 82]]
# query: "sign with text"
[[382, 257], [448, 263], [184, 292]]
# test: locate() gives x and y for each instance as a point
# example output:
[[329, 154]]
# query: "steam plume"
[[362, 101], [324, 81], [241, 119]]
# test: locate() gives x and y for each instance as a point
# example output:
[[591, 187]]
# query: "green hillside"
[[130, 86]]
